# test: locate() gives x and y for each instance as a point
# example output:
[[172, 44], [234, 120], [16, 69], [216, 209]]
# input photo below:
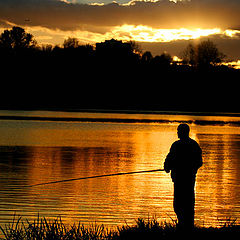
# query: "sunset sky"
[[157, 26]]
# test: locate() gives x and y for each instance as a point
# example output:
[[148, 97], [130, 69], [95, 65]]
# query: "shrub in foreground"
[[150, 229]]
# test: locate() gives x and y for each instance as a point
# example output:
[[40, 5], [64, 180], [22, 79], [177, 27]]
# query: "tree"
[[164, 60], [208, 54], [71, 43], [16, 38], [116, 52], [135, 48], [146, 57], [189, 55], [204, 54]]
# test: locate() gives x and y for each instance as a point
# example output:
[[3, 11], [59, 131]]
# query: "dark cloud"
[[56, 14]]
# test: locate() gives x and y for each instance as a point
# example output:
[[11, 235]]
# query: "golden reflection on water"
[[114, 199], [218, 184], [34, 152]]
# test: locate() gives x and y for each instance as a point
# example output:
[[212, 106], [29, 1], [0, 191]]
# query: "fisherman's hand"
[[166, 170], [166, 167]]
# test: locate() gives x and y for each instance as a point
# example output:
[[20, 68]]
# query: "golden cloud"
[[138, 33]]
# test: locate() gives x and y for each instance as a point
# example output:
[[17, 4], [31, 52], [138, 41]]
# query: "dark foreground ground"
[[43, 229]]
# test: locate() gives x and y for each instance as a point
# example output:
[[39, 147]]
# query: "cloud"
[[150, 22], [69, 16]]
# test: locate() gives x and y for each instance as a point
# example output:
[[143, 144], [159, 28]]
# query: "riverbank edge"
[[149, 229]]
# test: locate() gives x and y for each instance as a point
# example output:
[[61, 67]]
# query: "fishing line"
[[92, 177]]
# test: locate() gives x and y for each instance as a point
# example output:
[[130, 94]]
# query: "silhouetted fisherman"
[[184, 160]]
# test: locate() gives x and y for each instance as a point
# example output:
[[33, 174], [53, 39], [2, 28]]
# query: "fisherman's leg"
[[189, 204], [184, 201], [178, 203]]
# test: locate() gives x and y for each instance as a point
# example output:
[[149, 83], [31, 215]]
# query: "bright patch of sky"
[[107, 1], [96, 1]]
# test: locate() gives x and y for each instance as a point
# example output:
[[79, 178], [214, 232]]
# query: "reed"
[[149, 229]]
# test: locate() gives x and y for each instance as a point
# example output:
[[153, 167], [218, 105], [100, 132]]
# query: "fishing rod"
[[97, 176]]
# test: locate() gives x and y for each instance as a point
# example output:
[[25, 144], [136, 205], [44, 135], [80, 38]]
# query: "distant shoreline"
[[157, 112], [128, 111], [117, 120]]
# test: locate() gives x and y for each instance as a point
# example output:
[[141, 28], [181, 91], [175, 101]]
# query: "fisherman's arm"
[[198, 161], [168, 164]]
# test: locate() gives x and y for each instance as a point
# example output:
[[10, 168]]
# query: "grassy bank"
[[150, 229]]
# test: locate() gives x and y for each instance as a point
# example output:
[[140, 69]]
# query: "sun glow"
[[126, 32], [234, 64], [147, 34], [231, 33], [141, 33]]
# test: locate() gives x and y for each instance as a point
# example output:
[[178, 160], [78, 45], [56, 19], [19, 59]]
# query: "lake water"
[[42, 150]]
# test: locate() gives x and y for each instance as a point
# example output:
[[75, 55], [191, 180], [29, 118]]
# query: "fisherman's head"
[[183, 131]]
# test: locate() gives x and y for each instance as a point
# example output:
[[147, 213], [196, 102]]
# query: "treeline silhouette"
[[111, 75], [17, 46]]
